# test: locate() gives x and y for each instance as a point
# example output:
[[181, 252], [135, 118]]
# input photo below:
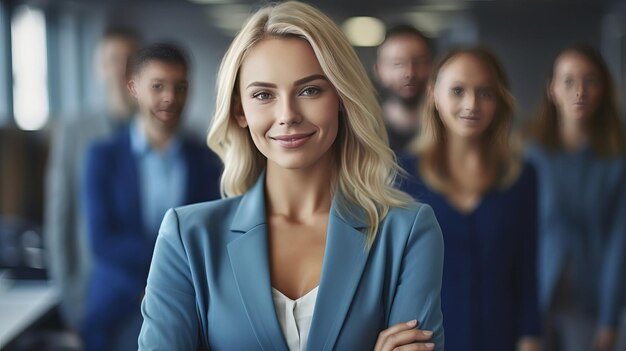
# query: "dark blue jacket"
[[488, 294], [121, 246]]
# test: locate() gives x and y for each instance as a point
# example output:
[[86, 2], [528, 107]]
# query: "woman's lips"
[[292, 141]]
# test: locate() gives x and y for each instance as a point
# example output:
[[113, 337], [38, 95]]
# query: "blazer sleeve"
[[170, 320], [418, 293], [108, 242], [612, 279]]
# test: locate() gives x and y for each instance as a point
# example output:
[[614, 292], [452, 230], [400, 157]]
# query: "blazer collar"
[[344, 261], [251, 209]]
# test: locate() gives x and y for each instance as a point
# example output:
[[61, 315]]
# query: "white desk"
[[23, 303]]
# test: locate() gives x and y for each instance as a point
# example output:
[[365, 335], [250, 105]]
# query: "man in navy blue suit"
[[130, 181]]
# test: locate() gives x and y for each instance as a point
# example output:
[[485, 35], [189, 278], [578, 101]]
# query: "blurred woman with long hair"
[[577, 145]]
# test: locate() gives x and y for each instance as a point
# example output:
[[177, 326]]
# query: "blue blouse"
[[488, 292], [582, 224]]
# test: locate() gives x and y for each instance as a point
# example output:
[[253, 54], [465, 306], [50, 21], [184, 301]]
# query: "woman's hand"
[[529, 343], [605, 339], [404, 337]]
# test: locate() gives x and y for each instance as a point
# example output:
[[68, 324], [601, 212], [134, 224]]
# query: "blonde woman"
[[578, 147], [485, 200], [312, 247]]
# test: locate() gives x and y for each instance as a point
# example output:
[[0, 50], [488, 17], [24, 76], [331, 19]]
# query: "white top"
[[295, 317]]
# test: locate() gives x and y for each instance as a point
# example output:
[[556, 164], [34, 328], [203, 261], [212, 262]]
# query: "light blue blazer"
[[209, 284]]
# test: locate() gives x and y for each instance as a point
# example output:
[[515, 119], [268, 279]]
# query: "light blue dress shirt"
[[162, 176]]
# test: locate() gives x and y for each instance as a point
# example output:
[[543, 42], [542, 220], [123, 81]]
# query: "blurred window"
[[29, 60], [5, 65]]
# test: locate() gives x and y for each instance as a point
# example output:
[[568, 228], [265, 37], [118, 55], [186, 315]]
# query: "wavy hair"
[[366, 166], [606, 129], [497, 148]]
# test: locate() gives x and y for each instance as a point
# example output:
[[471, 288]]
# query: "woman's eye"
[[157, 86], [310, 91], [262, 95], [457, 91], [486, 93]]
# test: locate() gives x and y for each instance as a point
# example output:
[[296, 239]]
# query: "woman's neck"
[[468, 168], [574, 134], [464, 152], [299, 194]]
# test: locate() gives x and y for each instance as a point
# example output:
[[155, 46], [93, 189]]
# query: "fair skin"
[[402, 67], [576, 89], [292, 113], [465, 97], [160, 89], [113, 53]]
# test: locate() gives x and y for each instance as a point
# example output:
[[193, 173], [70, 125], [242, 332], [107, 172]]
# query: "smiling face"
[[576, 87], [161, 92], [465, 96], [288, 104]]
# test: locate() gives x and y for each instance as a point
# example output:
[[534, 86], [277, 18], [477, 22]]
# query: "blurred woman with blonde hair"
[[485, 199]]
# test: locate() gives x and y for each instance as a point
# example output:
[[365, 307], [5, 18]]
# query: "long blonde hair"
[[497, 147], [366, 166]]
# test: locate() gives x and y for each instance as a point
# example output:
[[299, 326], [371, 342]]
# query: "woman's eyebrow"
[[296, 83]]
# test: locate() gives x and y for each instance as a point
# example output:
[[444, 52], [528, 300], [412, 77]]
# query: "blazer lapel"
[[250, 262], [344, 260]]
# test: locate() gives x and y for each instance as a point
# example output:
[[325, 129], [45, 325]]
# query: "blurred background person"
[[578, 147], [130, 180], [484, 197], [402, 68], [65, 234]]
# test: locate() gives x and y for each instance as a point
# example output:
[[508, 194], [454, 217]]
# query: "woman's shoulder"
[[410, 228], [528, 173], [211, 216], [415, 214], [535, 152], [525, 182], [409, 162], [410, 181]]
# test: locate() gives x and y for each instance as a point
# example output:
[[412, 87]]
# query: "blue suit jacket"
[[121, 247], [209, 283], [489, 297]]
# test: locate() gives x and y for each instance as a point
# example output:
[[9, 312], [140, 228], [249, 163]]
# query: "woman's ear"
[[237, 111]]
